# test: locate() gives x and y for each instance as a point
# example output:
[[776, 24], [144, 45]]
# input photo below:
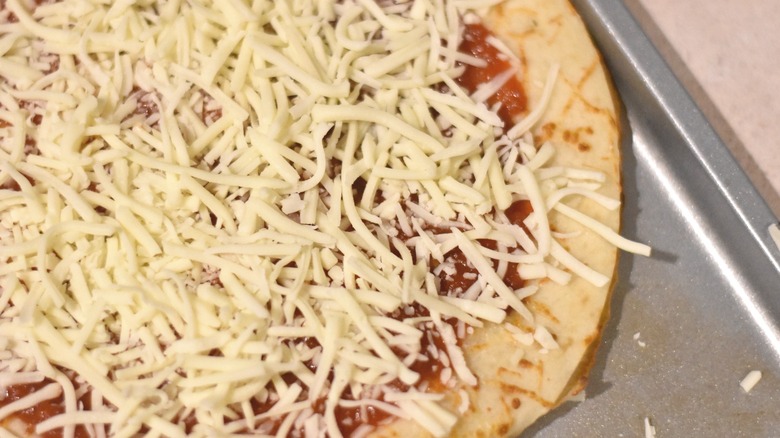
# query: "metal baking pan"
[[707, 304]]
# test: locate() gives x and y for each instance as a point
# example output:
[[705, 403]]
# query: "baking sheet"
[[707, 304]]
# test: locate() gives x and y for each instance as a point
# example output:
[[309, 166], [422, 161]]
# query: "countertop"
[[727, 55]]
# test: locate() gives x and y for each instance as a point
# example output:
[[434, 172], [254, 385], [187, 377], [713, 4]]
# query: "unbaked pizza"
[[301, 218]]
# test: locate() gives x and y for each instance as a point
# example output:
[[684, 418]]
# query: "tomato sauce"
[[456, 283], [511, 96], [42, 411]]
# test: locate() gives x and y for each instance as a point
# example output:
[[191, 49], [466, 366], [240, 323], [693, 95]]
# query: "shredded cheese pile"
[[179, 234]]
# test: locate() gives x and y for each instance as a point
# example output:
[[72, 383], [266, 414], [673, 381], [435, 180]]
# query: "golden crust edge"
[[580, 380]]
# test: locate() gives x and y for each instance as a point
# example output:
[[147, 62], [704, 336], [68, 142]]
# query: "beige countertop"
[[727, 55]]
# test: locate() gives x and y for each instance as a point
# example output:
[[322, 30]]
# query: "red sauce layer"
[[42, 411], [512, 95]]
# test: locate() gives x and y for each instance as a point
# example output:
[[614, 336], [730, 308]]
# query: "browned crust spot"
[[574, 136], [576, 96], [546, 132], [556, 21], [542, 309], [478, 347], [539, 368], [512, 389], [588, 73]]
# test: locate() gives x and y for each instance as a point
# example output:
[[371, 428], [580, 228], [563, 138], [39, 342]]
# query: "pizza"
[[301, 218]]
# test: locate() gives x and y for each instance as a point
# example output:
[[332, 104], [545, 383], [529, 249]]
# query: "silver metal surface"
[[707, 304]]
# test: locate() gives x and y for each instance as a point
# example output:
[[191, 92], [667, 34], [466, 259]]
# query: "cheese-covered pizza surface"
[[301, 218]]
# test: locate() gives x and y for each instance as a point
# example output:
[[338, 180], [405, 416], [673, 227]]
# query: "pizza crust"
[[581, 121]]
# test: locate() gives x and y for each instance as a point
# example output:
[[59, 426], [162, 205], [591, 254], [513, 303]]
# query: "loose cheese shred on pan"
[[649, 429], [750, 380], [240, 217], [774, 233]]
